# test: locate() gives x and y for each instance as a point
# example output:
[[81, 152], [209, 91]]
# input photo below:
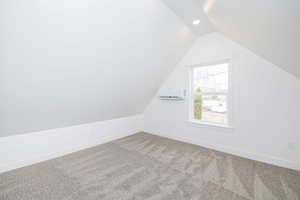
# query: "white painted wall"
[[265, 99], [69, 62], [21, 150]]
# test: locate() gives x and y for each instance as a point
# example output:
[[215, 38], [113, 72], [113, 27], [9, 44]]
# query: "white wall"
[[21, 150], [68, 62], [266, 106]]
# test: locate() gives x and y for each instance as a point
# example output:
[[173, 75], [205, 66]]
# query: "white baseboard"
[[226, 149], [22, 150]]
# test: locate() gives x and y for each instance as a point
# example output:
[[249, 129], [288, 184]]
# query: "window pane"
[[211, 108], [212, 78]]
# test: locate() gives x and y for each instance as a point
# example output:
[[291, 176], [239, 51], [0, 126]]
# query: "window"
[[210, 100]]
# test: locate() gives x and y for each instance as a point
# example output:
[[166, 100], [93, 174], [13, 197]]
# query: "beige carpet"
[[149, 167]]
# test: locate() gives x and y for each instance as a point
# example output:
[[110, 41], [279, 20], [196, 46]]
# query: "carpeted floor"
[[145, 166]]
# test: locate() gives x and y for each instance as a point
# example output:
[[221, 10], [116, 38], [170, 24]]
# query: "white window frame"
[[229, 95]]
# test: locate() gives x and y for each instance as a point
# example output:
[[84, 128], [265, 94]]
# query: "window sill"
[[209, 124]]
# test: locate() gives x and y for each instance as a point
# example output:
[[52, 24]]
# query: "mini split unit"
[[174, 94]]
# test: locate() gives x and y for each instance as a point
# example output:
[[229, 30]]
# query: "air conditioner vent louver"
[[177, 95]]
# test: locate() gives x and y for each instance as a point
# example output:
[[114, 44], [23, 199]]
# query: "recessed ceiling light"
[[196, 22]]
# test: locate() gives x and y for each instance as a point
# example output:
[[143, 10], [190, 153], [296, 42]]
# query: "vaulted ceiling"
[[67, 62], [268, 28]]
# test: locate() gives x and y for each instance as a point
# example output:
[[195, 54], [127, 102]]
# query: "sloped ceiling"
[[268, 28], [190, 10], [67, 62]]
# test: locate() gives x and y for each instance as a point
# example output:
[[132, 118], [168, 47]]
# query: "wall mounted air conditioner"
[[173, 94]]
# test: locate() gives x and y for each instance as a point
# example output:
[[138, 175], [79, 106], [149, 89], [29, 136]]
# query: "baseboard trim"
[[49, 144], [35, 160], [249, 155]]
